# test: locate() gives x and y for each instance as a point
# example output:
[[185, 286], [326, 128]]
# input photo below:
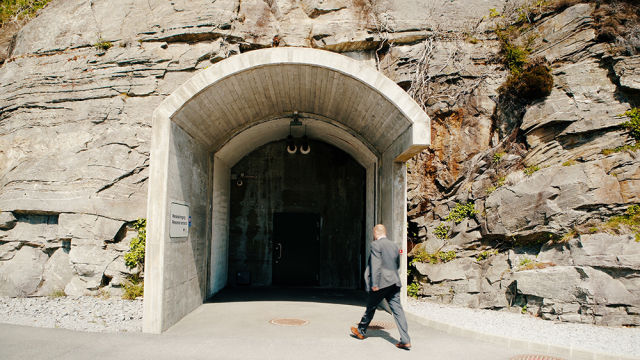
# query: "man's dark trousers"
[[392, 294]]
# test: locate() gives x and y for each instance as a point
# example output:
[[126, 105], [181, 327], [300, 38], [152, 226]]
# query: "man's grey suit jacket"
[[383, 265]]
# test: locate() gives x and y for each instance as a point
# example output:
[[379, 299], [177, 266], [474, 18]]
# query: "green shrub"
[[633, 125], [514, 56], [103, 45], [413, 289], [569, 163], [135, 256], [446, 256], [497, 157], [533, 82], [19, 9], [461, 212], [442, 231]]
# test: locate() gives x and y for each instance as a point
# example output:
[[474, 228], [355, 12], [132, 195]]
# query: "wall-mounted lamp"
[[291, 146], [240, 178], [305, 148]]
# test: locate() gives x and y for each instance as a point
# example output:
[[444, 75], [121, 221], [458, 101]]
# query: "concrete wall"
[[183, 271], [220, 217], [393, 198], [328, 182]]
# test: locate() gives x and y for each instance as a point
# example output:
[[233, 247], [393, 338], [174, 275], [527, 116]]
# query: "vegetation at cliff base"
[[135, 256], [133, 288], [11, 10]]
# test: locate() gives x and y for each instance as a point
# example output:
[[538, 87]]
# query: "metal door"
[[296, 249]]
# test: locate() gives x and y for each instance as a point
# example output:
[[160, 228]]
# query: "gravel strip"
[[619, 341], [84, 313]]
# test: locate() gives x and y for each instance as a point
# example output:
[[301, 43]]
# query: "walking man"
[[382, 282]]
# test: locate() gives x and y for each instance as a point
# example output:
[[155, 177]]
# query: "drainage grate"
[[535, 357], [289, 322], [380, 325]]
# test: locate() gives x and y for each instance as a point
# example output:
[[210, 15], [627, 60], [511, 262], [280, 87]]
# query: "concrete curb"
[[512, 343]]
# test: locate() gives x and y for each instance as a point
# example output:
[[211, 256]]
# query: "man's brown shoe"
[[403, 346], [356, 333]]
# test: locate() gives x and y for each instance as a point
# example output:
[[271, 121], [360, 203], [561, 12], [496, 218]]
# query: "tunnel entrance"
[[202, 132], [297, 219]]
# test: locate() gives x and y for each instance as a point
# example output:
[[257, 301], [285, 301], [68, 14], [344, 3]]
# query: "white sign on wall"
[[179, 220]]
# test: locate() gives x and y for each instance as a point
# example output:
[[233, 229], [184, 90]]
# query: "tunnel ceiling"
[[246, 89]]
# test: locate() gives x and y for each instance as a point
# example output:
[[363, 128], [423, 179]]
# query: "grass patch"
[[486, 254], [435, 258], [534, 265], [497, 157], [629, 222], [569, 163], [133, 288], [634, 147], [57, 294], [501, 182], [103, 294], [16, 10], [633, 125], [572, 234], [530, 264], [529, 170]]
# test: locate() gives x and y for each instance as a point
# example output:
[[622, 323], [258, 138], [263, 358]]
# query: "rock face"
[[541, 183], [75, 129], [75, 116]]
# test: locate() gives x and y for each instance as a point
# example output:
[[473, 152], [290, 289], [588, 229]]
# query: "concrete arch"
[[231, 108], [228, 96]]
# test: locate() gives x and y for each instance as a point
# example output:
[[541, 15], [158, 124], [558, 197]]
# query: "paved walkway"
[[236, 326]]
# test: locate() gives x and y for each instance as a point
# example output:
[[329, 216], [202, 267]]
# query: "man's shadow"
[[379, 331]]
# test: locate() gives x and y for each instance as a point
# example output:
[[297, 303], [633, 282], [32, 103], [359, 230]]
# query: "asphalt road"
[[237, 326]]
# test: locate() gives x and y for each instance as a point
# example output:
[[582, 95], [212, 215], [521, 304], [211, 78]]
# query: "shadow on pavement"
[[316, 295]]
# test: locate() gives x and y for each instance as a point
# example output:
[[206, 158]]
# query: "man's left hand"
[[375, 288]]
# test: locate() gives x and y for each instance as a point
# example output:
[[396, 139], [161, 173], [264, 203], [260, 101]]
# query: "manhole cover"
[[380, 325], [535, 357], [289, 322]]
